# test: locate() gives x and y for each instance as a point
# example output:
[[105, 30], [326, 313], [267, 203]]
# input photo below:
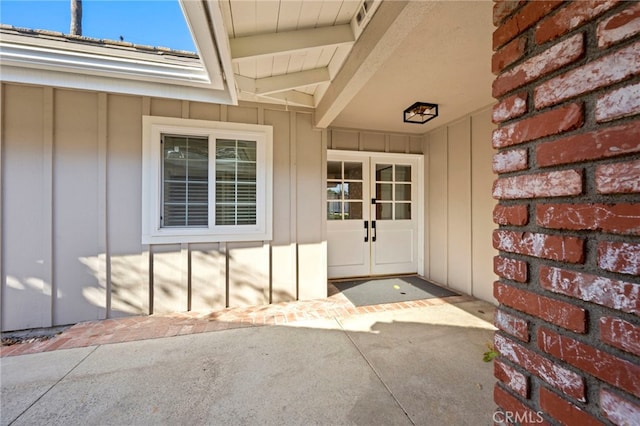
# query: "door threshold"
[[373, 277]]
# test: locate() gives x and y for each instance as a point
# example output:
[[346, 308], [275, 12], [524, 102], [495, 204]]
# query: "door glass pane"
[[384, 191], [384, 172], [353, 171], [403, 173], [334, 170], [353, 191], [403, 211], [334, 190], [352, 210], [334, 210], [384, 211], [403, 192]]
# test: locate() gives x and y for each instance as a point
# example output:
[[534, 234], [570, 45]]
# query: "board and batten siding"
[[459, 205], [71, 213]]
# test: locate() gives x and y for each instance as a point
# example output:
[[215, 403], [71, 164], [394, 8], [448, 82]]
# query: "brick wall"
[[568, 164]]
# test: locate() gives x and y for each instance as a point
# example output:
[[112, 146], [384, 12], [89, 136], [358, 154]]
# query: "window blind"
[[235, 182], [185, 179]]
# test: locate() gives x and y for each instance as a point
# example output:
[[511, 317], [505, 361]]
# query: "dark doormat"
[[375, 291]]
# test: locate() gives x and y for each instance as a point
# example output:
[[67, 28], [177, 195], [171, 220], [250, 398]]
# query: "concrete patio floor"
[[416, 365]]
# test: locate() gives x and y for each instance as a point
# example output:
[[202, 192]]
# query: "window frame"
[[152, 189]]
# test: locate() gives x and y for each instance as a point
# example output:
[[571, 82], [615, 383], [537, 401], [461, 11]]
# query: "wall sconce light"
[[420, 113]]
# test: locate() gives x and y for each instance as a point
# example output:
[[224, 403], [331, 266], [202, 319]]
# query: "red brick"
[[619, 410], [524, 19], [508, 54], [545, 246], [563, 411], [618, 178], [511, 215], [570, 17], [604, 71], [603, 143], [513, 325], [620, 333], [619, 103], [502, 9], [510, 161], [619, 27], [623, 258], [554, 311], [567, 381], [511, 269], [516, 381], [604, 291], [511, 107], [515, 412], [552, 184], [552, 59], [609, 368], [552, 122], [612, 218]]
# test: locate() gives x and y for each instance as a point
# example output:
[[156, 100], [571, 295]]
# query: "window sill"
[[174, 237]]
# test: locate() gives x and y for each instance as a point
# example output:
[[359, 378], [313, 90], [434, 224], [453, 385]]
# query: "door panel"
[[347, 212], [394, 182], [396, 238], [348, 252]]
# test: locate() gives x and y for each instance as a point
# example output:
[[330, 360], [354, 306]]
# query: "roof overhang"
[[40, 57]]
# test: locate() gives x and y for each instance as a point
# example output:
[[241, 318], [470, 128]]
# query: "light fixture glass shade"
[[420, 113]]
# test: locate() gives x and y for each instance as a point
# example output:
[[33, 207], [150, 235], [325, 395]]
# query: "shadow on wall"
[[200, 278], [26, 303]]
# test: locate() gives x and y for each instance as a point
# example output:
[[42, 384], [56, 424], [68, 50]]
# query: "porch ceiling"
[[361, 63], [445, 59], [288, 51]]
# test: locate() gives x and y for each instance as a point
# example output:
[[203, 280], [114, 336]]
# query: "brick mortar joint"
[[591, 338], [590, 266]]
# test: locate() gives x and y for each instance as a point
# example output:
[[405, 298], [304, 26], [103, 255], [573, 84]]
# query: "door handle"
[[366, 228], [373, 227]]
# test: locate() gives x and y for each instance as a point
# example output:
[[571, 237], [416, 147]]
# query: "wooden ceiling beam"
[[290, 41], [281, 83]]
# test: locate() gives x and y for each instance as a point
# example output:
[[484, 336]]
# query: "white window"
[[205, 181]]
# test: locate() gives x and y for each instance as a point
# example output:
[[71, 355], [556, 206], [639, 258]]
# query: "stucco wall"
[[71, 213], [459, 205]]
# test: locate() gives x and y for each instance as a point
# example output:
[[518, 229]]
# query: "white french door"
[[372, 213]]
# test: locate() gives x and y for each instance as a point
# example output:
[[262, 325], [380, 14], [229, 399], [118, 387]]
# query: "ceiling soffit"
[[289, 51]]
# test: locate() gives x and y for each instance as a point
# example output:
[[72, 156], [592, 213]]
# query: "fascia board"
[[112, 84], [141, 68], [206, 25]]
